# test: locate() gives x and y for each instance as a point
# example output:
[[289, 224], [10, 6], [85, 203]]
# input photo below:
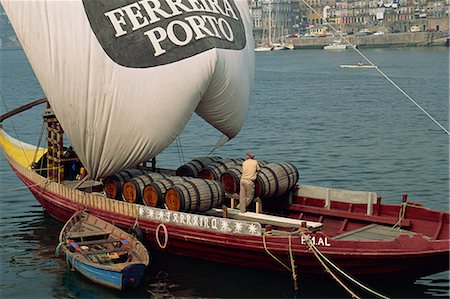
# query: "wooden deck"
[[88, 186], [373, 232]]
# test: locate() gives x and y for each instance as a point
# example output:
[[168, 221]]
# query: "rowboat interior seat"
[[89, 235], [88, 232]]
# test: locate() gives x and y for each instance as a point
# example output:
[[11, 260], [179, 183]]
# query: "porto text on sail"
[[181, 30]]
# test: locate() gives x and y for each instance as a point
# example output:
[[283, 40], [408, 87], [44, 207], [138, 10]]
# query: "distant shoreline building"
[[294, 17], [289, 17]]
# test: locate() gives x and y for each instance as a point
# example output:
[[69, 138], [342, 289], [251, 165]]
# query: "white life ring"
[[166, 235]]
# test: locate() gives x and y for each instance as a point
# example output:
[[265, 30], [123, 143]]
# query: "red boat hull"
[[407, 256]]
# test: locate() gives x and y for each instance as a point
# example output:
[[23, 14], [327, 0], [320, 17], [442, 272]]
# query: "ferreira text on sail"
[[167, 24]]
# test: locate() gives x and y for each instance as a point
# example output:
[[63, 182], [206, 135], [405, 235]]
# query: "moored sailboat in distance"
[[267, 44], [361, 234]]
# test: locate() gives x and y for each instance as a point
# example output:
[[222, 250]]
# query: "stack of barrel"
[[273, 180], [215, 170], [193, 167], [198, 185], [187, 193]]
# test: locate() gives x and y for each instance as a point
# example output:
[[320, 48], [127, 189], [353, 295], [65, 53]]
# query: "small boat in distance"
[[102, 252], [335, 45], [359, 65]]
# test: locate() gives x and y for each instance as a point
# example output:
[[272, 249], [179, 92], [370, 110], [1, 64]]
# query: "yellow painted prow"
[[23, 153]]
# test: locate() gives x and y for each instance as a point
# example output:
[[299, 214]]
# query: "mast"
[[270, 23], [55, 145], [57, 156]]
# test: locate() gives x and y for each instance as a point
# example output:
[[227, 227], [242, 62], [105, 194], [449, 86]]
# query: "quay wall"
[[406, 39]]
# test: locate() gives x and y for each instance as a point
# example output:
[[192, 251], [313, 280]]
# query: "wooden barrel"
[[154, 192], [232, 176], [133, 189], [193, 168], [275, 179], [215, 170], [114, 183], [195, 195]]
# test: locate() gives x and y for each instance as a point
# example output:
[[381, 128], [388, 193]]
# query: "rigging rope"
[[21, 188], [38, 143], [180, 150], [322, 259], [14, 129], [381, 72]]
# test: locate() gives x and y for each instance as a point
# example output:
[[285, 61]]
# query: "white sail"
[[124, 76]]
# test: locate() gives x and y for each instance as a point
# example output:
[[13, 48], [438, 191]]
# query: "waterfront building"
[[390, 15], [351, 16]]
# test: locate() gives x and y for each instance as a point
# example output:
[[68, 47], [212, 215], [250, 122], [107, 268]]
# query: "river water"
[[342, 128]]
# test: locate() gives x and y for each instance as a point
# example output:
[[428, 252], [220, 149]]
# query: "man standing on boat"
[[250, 170]]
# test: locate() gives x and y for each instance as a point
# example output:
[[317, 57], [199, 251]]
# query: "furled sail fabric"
[[124, 76]]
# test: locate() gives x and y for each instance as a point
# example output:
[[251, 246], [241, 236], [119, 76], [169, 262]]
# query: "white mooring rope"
[[324, 258]]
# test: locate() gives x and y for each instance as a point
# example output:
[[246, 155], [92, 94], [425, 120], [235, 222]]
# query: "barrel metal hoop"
[[220, 191], [179, 190], [287, 172], [275, 180], [198, 167], [268, 181], [138, 187], [262, 175], [141, 179], [121, 181], [159, 191], [121, 174], [197, 192], [236, 174], [209, 183]]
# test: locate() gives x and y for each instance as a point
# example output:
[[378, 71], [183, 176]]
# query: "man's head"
[[250, 155]]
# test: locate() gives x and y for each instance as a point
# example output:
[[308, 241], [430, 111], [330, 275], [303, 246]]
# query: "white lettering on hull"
[[316, 240], [199, 221]]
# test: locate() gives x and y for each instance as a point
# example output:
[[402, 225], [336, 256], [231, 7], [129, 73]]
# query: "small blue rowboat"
[[102, 252]]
